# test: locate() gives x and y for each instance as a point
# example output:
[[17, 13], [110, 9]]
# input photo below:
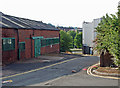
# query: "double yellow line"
[[38, 69], [90, 73]]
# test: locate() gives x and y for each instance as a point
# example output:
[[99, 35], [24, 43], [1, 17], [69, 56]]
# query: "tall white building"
[[89, 35]]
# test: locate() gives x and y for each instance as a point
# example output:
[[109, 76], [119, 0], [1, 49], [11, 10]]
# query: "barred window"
[[56, 40], [8, 44], [43, 42], [49, 41]]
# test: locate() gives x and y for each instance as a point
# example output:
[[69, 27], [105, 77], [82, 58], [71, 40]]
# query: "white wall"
[[89, 33]]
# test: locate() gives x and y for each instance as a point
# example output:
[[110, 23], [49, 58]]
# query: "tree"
[[65, 41], [108, 37], [73, 34], [78, 40]]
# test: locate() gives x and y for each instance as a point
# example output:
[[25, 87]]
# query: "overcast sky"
[[59, 12]]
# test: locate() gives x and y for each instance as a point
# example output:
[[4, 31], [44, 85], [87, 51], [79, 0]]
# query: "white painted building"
[[89, 34]]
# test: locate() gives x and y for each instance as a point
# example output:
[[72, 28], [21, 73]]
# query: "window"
[[49, 41], [56, 40], [8, 44], [43, 42], [22, 46]]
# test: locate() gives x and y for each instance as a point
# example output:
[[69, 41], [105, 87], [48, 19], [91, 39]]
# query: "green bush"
[[78, 40], [65, 41], [108, 37]]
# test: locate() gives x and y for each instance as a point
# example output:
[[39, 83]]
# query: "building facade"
[[24, 38], [89, 35], [70, 29]]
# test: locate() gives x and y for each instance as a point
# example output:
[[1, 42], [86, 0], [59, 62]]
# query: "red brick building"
[[23, 38]]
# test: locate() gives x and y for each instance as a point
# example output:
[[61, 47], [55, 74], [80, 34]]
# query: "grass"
[[76, 53], [76, 49]]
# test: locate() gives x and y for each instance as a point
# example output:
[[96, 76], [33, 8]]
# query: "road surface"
[[57, 70]]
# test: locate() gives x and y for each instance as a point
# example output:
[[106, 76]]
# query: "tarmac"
[[29, 64], [82, 79], [68, 80], [34, 63], [75, 79]]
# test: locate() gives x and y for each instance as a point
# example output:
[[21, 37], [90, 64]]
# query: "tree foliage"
[[65, 41], [108, 36], [78, 40], [69, 39], [73, 34]]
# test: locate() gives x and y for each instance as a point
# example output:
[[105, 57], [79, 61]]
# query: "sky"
[[59, 12]]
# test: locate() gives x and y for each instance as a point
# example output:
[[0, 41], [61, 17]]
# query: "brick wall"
[[26, 35], [11, 55], [0, 47], [48, 34], [50, 49]]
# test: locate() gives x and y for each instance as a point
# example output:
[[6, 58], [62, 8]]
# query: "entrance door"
[[37, 47], [21, 49]]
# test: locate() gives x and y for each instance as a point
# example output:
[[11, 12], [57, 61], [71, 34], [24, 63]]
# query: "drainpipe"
[[59, 41], [32, 43], [18, 51]]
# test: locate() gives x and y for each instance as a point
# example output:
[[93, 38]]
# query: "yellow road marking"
[[90, 73], [38, 69], [7, 81]]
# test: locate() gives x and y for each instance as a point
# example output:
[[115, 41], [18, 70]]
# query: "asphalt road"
[[52, 72]]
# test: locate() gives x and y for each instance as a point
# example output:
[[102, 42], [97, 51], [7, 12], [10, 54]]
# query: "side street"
[[75, 75], [39, 54]]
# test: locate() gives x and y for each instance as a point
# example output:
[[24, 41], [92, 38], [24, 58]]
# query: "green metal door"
[[21, 48], [37, 47]]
